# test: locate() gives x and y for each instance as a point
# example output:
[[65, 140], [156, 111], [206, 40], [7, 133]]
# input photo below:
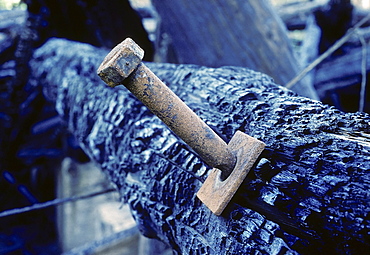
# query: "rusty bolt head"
[[120, 62]]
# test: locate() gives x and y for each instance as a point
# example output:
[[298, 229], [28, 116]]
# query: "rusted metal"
[[120, 62], [121, 66], [215, 192], [231, 162]]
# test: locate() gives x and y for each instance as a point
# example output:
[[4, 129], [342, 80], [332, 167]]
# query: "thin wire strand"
[[54, 202], [327, 53]]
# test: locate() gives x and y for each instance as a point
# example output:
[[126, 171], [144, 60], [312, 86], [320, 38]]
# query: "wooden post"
[[231, 32]]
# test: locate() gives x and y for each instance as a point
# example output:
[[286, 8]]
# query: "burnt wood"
[[308, 193], [334, 22], [338, 79], [295, 15], [11, 24], [97, 22]]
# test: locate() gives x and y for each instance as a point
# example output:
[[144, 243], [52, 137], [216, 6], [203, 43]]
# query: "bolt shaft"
[[165, 104]]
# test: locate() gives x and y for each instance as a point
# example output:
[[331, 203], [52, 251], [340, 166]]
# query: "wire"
[[54, 202]]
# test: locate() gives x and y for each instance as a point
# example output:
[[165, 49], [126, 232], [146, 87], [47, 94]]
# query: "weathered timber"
[[309, 193], [334, 21], [308, 50], [338, 78], [32, 144], [20, 108], [11, 23], [338, 69], [295, 15], [12, 19], [228, 32]]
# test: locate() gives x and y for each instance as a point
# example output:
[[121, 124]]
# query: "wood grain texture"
[[308, 194], [231, 32]]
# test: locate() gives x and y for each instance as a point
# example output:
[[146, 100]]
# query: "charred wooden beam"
[[338, 78], [338, 69], [99, 23], [295, 15], [11, 24], [308, 193]]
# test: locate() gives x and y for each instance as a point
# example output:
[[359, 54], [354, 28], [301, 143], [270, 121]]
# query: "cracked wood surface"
[[308, 192]]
